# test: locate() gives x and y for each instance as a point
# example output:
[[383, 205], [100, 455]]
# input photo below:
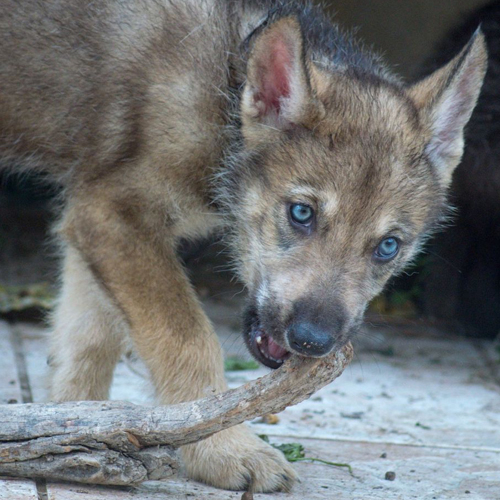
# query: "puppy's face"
[[341, 179], [320, 231]]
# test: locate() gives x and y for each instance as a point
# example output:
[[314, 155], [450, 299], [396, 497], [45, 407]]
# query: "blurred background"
[[407, 32], [455, 284]]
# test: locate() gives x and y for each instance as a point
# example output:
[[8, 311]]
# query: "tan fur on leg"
[[87, 336], [172, 335]]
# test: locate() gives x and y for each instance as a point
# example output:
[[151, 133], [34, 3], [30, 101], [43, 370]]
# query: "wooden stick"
[[119, 443]]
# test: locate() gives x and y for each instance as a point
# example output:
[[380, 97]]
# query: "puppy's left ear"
[[446, 100], [277, 94]]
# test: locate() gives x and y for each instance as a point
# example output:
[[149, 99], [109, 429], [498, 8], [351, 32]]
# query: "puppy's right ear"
[[277, 93]]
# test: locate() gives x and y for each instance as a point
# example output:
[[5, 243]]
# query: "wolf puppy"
[[165, 120]]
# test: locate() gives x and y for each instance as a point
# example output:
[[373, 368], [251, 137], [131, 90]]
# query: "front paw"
[[236, 459]]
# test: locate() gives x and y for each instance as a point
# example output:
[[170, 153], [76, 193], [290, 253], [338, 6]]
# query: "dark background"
[[405, 30]]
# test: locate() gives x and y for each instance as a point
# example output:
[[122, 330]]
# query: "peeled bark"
[[119, 443]]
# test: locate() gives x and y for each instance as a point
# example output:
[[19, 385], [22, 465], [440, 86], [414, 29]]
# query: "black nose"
[[309, 339]]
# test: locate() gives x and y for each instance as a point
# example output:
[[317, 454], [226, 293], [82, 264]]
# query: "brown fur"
[[165, 120]]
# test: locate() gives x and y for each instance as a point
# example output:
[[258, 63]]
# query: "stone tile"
[[17, 489], [154, 490], [131, 382], [10, 389], [34, 339], [10, 392], [421, 472]]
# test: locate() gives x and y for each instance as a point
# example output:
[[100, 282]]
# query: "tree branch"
[[119, 443]]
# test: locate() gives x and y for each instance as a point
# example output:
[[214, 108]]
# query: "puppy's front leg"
[[172, 335]]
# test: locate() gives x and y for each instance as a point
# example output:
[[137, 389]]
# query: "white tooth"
[[259, 340]]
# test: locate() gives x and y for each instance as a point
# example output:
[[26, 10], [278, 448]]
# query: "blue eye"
[[301, 214], [387, 249]]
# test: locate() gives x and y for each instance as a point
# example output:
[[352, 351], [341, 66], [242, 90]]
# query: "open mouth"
[[261, 344]]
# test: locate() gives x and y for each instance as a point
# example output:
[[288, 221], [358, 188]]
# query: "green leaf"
[[294, 452], [422, 426], [233, 364]]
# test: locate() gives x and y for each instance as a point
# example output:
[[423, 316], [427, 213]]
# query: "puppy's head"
[[343, 173]]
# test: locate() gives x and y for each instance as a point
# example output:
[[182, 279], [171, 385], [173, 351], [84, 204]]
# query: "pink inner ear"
[[275, 76]]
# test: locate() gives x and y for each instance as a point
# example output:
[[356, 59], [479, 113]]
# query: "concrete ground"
[[416, 402]]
